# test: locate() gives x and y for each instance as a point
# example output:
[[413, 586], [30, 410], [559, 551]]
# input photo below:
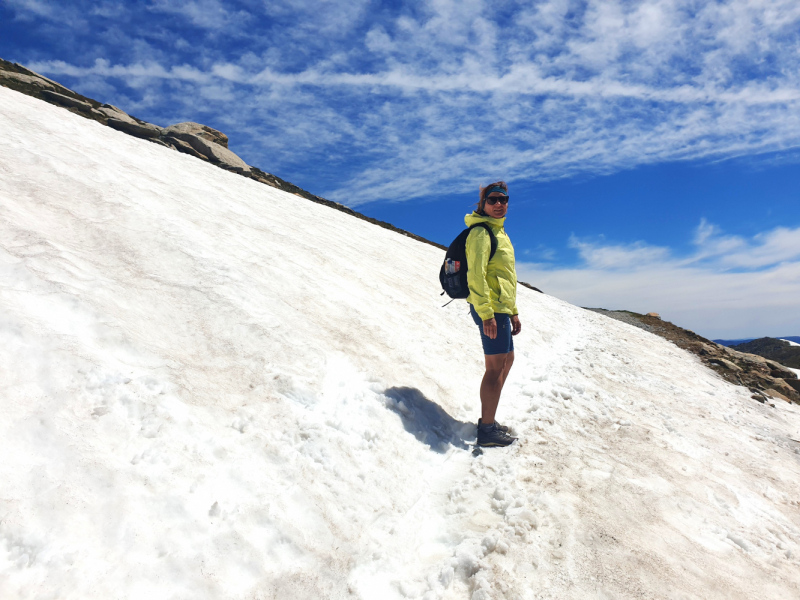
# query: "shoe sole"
[[495, 444]]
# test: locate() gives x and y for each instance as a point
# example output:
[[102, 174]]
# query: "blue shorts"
[[503, 343]]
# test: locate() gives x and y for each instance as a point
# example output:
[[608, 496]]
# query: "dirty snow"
[[214, 389]]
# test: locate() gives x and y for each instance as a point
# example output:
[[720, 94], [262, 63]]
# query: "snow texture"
[[214, 389]]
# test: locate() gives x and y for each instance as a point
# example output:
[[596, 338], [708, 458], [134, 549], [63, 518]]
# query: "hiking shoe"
[[490, 435], [502, 428]]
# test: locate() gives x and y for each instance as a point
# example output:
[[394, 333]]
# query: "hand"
[[516, 326], [490, 328]]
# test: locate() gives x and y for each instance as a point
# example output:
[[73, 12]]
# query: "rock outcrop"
[[766, 379], [201, 131], [194, 139], [142, 130], [15, 80], [67, 100], [206, 141]]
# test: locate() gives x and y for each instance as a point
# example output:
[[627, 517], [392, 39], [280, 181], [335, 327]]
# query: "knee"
[[494, 374]]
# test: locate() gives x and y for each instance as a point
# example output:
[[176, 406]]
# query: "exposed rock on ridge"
[[201, 131], [202, 140], [766, 379]]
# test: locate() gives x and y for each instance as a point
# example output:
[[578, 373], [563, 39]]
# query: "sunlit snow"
[[214, 389]]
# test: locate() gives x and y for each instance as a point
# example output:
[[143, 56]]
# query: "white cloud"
[[27, 8], [410, 94], [52, 10], [775, 247], [209, 14], [632, 257], [149, 70], [729, 287]]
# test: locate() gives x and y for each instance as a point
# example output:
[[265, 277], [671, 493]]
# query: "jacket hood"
[[474, 218]]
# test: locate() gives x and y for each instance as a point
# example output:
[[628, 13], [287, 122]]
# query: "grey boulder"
[[66, 100], [28, 80], [202, 131], [122, 121], [142, 130], [782, 372], [112, 112], [200, 137], [722, 362], [182, 146]]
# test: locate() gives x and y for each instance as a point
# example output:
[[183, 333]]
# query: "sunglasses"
[[495, 200]]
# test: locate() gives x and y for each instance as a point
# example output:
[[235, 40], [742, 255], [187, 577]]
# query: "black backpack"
[[453, 274]]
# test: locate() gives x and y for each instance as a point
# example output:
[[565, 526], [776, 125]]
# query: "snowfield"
[[212, 389]]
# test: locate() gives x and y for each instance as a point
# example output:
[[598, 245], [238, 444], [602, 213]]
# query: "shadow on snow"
[[427, 421]]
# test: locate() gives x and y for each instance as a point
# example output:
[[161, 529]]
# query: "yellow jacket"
[[492, 284]]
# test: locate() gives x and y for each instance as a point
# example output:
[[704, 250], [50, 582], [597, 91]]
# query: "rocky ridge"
[[194, 139], [766, 379]]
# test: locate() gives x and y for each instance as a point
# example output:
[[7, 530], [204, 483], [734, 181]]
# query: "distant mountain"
[[730, 343], [781, 351], [733, 342]]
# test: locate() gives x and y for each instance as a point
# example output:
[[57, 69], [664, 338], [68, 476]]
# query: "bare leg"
[[507, 367], [497, 368]]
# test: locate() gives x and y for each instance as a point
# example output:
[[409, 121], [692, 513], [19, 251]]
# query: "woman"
[[493, 304]]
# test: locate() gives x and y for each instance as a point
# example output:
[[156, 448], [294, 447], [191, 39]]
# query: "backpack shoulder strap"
[[492, 238]]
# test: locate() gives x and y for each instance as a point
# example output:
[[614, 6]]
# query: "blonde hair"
[[482, 195]]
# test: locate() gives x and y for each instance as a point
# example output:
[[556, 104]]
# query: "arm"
[[478, 248], [516, 326]]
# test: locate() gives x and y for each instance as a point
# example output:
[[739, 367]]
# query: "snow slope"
[[214, 389]]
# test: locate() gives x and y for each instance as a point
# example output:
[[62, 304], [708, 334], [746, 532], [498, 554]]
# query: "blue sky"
[[652, 148]]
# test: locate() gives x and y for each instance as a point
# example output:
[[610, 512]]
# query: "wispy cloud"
[[64, 14], [147, 71], [631, 257], [713, 248], [409, 94], [208, 14], [30, 8], [728, 286]]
